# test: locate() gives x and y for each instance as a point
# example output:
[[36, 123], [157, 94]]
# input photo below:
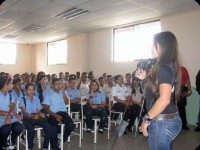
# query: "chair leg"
[[95, 131], [26, 140], [39, 138], [18, 143], [108, 127], [61, 136], [80, 135]]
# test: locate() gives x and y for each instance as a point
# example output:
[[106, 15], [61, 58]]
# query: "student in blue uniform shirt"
[[9, 120], [55, 105], [31, 109], [95, 106], [74, 96], [43, 89], [17, 92]]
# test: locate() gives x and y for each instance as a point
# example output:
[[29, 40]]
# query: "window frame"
[[113, 39]]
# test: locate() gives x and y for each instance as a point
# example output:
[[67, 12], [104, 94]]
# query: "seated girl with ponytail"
[[9, 120]]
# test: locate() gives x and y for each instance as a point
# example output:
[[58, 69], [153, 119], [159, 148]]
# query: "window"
[[134, 42], [7, 54], [57, 52]]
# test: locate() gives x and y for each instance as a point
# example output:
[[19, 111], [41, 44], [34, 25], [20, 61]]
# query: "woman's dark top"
[[165, 75]]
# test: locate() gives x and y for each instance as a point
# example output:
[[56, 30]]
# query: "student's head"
[[72, 76], [53, 76], [66, 75], [48, 77], [41, 73], [17, 84], [109, 79], [91, 75], [104, 75], [34, 78], [119, 79], [128, 77], [78, 74], [61, 75], [94, 86], [84, 76], [30, 89], [28, 79], [101, 81], [17, 76], [56, 84], [72, 83], [6, 83], [42, 80]]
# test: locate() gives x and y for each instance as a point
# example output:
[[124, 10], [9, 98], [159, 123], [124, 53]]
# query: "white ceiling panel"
[[17, 26], [50, 21], [73, 2], [172, 4], [12, 15], [118, 9], [66, 25], [3, 23], [52, 8], [148, 2], [33, 18], [29, 5], [100, 4]]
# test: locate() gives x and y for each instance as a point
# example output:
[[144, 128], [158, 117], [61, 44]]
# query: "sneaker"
[[88, 130], [101, 131], [197, 129]]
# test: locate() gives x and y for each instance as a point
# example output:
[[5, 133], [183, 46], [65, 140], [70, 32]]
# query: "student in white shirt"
[[83, 85], [101, 84], [123, 101], [108, 88]]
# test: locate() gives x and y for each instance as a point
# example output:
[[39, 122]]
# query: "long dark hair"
[[168, 55], [133, 87], [95, 81], [39, 88]]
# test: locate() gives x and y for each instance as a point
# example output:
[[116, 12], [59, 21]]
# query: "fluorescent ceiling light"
[[10, 36], [34, 28], [72, 13]]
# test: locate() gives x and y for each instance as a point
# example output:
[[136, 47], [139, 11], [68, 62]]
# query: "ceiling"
[[16, 15]]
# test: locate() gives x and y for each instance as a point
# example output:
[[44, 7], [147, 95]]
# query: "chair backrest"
[[82, 104], [68, 109]]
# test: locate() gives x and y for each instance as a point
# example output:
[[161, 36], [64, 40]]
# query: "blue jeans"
[[162, 133]]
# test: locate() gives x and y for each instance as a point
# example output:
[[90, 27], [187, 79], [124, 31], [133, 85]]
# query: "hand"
[[8, 120], [125, 103], [140, 74], [58, 117], [36, 116], [144, 129], [94, 106], [42, 115]]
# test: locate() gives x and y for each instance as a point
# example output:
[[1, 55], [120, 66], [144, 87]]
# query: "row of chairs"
[[79, 123]]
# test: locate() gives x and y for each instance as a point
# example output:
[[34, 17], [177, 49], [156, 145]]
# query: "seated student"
[[95, 107], [122, 101], [74, 96], [55, 105], [34, 80], [9, 119], [105, 77], [78, 75], [108, 87], [17, 92], [43, 89], [83, 85], [63, 83], [90, 76], [31, 110], [137, 96], [27, 80], [66, 76], [101, 84]]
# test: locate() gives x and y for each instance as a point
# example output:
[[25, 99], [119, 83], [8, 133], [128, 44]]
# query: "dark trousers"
[[181, 108], [16, 128], [75, 107], [131, 112], [69, 126], [101, 113], [30, 131]]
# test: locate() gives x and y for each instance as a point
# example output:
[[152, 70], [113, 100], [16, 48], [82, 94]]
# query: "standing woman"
[[162, 90]]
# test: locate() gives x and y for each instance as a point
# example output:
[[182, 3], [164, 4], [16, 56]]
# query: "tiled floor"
[[187, 140]]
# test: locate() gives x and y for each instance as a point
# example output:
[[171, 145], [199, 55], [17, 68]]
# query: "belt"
[[166, 116]]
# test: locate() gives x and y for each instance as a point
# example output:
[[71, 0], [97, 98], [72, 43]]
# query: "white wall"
[[77, 58], [100, 55]]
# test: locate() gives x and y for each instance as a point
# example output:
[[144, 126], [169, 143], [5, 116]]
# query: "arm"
[[66, 100], [79, 84], [56, 116], [76, 100], [119, 100]]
